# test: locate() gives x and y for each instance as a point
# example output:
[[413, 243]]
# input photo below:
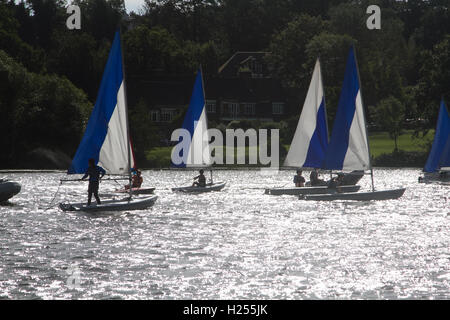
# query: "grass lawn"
[[379, 143]]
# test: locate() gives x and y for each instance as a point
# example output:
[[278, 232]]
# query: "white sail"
[[311, 136]]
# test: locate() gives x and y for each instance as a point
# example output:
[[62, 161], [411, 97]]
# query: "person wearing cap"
[[136, 179]]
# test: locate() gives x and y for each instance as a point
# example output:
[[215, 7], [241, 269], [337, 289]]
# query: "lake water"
[[235, 244]]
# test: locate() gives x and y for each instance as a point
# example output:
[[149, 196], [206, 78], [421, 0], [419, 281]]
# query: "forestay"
[[106, 136], [310, 140]]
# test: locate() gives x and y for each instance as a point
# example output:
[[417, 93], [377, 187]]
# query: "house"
[[243, 89]]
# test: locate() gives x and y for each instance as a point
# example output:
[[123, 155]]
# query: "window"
[[233, 109], [211, 106], [277, 108], [154, 115], [167, 115], [249, 108]]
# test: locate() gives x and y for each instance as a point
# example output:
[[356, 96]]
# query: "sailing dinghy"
[[8, 189], [310, 140], [349, 144], [437, 167], [197, 144], [106, 138]]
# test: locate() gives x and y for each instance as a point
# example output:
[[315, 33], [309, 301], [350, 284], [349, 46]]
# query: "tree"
[[288, 47], [390, 114]]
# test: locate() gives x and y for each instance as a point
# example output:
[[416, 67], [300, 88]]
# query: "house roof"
[[231, 67]]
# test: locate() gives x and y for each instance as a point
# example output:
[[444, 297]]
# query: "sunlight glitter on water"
[[235, 244]]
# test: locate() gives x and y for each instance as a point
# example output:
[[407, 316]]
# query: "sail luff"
[[364, 117], [126, 112]]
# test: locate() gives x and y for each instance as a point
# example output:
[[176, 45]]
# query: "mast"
[[206, 118], [126, 112], [325, 107], [364, 115]]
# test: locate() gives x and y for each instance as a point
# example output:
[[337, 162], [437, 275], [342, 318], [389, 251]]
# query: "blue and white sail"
[[349, 148], [106, 138], [310, 140], [439, 156], [193, 149]]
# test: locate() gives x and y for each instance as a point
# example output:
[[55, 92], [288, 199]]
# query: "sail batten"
[[106, 135], [311, 135]]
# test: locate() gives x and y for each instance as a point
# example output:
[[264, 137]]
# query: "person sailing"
[[201, 180], [299, 180], [336, 182], [95, 173], [314, 179], [136, 180]]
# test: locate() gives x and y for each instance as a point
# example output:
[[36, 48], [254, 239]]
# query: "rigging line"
[[54, 197]]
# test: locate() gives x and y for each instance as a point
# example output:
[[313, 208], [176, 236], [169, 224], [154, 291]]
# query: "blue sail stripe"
[[437, 156], [319, 140], [339, 142], [195, 109], [106, 102]]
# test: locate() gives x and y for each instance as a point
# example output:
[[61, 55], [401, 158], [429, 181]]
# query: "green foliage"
[[407, 60], [144, 136], [289, 45], [38, 110], [390, 114]]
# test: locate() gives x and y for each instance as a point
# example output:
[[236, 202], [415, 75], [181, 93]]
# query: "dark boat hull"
[[309, 190], [8, 189], [112, 205], [193, 189], [358, 196]]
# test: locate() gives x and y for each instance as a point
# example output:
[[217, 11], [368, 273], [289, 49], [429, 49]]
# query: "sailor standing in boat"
[[299, 180], [95, 173], [201, 180]]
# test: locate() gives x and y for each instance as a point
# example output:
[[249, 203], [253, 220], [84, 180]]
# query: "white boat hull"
[[358, 196], [111, 205], [194, 189], [309, 190]]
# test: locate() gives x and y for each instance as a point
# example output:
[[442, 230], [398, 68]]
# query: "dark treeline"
[[49, 75]]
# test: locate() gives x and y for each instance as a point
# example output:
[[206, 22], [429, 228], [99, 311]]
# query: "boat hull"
[[358, 196], [193, 189], [8, 189], [112, 205], [309, 190], [137, 191], [442, 176]]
